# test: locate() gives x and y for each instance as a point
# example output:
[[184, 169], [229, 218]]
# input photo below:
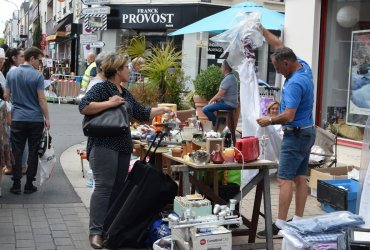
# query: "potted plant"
[[163, 69], [206, 85]]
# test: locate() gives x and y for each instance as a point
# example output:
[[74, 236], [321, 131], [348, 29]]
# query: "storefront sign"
[[158, 16], [214, 49], [149, 16], [359, 79]]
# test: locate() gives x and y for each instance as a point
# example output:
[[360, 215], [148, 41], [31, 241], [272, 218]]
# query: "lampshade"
[[348, 16]]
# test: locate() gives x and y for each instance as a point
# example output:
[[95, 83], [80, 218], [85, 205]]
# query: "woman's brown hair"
[[112, 63]]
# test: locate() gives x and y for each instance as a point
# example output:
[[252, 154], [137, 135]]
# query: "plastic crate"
[[337, 195]]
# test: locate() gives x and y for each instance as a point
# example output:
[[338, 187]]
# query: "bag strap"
[[161, 136]]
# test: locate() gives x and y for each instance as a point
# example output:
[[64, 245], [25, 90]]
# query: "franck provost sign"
[[149, 16], [157, 17]]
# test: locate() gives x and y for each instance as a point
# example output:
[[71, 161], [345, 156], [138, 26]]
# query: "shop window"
[[346, 69]]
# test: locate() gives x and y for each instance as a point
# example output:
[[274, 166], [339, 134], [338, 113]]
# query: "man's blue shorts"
[[295, 152]]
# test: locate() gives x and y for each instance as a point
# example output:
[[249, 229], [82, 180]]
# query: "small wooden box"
[[212, 142]]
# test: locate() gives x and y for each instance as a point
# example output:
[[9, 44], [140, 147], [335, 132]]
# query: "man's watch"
[[270, 121]]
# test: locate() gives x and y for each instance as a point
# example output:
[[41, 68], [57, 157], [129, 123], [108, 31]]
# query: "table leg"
[[256, 212], [267, 207], [215, 182]]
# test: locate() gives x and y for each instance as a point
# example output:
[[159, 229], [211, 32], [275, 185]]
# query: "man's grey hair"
[[284, 53]]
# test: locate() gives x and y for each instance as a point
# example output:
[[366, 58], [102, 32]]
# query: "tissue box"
[[218, 238]]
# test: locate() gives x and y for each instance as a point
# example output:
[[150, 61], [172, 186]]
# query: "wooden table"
[[261, 180]]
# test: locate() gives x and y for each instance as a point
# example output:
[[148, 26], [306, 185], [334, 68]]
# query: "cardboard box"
[[337, 173], [219, 238]]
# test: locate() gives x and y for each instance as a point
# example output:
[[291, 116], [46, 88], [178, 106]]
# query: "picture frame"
[[358, 102]]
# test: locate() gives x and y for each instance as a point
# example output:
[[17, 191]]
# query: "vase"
[[217, 157]]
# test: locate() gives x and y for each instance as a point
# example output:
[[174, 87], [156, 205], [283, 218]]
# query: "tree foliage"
[[37, 35]]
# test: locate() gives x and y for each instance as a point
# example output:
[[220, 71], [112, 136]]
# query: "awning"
[[55, 36], [61, 25], [228, 18]]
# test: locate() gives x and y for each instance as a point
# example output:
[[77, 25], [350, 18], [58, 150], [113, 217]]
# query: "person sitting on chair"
[[227, 95]]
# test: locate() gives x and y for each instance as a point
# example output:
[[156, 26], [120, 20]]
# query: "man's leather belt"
[[286, 128]]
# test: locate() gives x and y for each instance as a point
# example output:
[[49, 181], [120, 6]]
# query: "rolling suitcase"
[[146, 191]]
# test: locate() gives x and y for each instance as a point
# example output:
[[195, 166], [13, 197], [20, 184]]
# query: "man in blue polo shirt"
[[25, 87], [299, 132]]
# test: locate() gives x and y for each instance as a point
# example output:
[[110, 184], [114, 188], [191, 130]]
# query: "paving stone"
[[12, 206], [82, 244], [41, 218], [63, 242], [19, 229], [41, 231], [36, 212], [7, 232], [55, 221], [80, 237], [20, 211], [6, 239], [36, 224], [5, 219], [55, 215], [33, 205], [68, 211], [58, 227], [73, 230], [68, 248], [71, 217], [6, 226], [21, 222], [24, 236], [8, 246], [5, 212], [60, 234], [73, 223], [43, 238], [25, 244], [45, 246]]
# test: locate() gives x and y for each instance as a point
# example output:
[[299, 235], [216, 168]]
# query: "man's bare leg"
[[285, 198], [300, 194]]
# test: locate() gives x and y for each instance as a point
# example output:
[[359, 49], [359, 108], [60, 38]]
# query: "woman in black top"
[[109, 157]]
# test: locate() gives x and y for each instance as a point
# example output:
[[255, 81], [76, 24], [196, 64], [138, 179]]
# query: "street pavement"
[[58, 218]]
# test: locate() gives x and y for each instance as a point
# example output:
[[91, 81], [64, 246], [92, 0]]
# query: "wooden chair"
[[231, 120]]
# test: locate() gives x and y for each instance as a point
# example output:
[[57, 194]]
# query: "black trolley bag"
[[146, 191]]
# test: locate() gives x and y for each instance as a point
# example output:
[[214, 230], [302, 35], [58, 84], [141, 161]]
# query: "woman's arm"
[[96, 107], [160, 111]]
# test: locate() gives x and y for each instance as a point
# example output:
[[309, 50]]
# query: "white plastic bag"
[[241, 41], [46, 162]]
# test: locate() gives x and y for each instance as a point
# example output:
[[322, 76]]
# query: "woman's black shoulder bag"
[[111, 122]]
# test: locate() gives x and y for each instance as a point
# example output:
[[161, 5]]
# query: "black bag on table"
[[146, 191]]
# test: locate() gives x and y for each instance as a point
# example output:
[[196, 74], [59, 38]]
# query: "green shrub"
[[207, 82]]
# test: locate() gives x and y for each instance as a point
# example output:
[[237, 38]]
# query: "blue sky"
[[6, 11]]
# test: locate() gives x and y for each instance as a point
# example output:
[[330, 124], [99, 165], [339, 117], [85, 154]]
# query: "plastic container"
[[89, 179], [337, 195], [176, 152]]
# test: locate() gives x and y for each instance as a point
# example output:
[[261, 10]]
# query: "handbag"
[[111, 122]]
